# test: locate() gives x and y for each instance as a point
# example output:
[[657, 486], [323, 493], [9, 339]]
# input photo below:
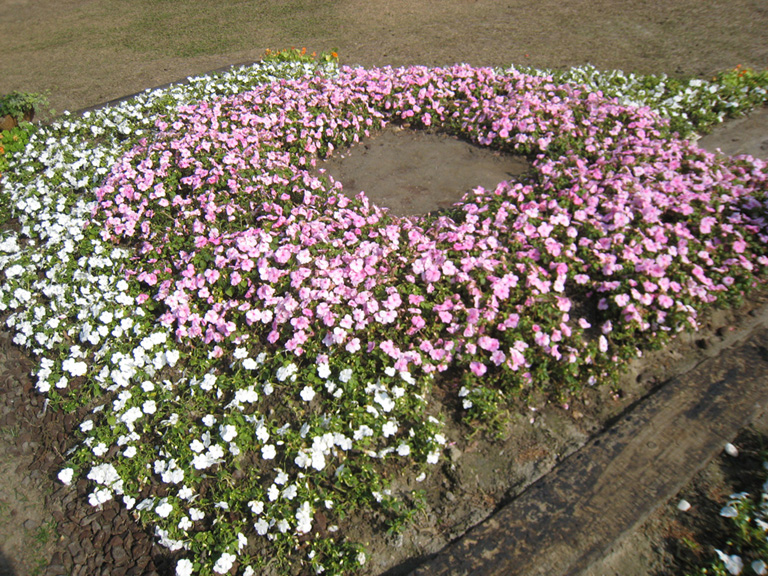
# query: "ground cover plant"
[[255, 353]]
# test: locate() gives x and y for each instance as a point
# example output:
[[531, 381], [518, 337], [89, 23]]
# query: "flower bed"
[[257, 351]]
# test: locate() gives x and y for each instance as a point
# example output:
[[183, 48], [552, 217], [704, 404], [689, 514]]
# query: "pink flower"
[[478, 368], [353, 345]]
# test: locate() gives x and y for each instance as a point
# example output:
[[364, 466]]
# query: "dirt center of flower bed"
[[413, 172]]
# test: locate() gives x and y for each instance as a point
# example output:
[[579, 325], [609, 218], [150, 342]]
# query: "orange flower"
[[334, 55]]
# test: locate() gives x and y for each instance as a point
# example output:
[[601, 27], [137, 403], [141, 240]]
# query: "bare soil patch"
[[414, 172]]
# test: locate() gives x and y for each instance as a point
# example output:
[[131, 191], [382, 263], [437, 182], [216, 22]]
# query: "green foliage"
[[22, 105], [300, 55]]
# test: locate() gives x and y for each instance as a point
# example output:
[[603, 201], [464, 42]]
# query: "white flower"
[[86, 425], [164, 509], [733, 563], [250, 364], [171, 357], [224, 563], [307, 394], [186, 492], [345, 375], [261, 527], [433, 457], [290, 492], [389, 428], [240, 353], [209, 420], [304, 518], [268, 452], [75, 368], [759, 568], [184, 567], [98, 497], [404, 449], [228, 432], [262, 433], [281, 478], [209, 380], [323, 370], [149, 407], [285, 372], [65, 476], [196, 514], [256, 506], [729, 512], [130, 416], [196, 446]]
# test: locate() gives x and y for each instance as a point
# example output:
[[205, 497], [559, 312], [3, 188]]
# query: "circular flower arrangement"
[[330, 308]]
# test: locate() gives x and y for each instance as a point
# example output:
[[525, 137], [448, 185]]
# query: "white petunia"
[[171, 357], [268, 452], [304, 518], [307, 394], [261, 527], [164, 509], [389, 428], [75, 368], [732, 562], [323, 370], [240, 353], [149, 407], [729, 512], [228, 432], [184, 567], [256, 506], [224, 563], [65, 476]]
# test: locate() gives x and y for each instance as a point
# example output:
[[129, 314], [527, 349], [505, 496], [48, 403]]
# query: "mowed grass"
[[88, 52]]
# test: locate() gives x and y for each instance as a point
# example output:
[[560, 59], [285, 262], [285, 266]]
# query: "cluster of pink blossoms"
[[620, 233]]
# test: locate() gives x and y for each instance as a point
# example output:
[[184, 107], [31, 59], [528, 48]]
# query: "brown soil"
[[87, 52]]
